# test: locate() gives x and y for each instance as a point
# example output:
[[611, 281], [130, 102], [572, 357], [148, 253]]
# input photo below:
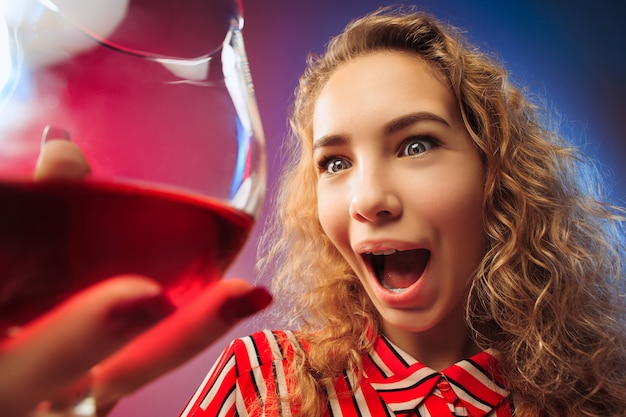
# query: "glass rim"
[[235, 21]]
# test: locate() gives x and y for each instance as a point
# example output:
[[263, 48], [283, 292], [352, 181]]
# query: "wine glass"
[[158, 96]]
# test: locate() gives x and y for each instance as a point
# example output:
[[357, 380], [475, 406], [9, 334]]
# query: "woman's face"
[[400, 188]]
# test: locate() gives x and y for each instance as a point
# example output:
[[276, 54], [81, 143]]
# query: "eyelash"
[[324, 162]]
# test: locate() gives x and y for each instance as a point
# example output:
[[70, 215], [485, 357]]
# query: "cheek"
[[450, 199], [334, 218], [461, 224], [329, 211], [462, 207]]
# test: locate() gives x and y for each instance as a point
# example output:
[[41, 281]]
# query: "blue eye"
[[335, 165], [416, 145], [332, 165]]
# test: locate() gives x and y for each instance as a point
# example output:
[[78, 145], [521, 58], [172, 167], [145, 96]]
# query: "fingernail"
[[246, 305], [79, 391], [139, 314], [54, 133]]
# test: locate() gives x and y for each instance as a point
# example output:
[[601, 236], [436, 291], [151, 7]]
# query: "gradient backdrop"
[[568, 51]]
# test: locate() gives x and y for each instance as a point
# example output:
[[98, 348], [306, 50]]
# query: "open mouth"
[[398, 270]]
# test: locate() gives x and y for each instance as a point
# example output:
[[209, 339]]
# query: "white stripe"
[[469, 399], [484, 379], [275, 348], [281, 383], [423, 411], [362, 404], [461, 411], [257, 374], [293, 339], [196, 394], [218, 383], [380, 363], [333, 401], [405, 405], [412, 379], [251, 351], [240, 404]]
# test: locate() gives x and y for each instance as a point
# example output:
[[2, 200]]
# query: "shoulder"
[[247, 371], [263, 347]]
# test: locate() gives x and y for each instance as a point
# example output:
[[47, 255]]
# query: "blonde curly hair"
[[548, 293]]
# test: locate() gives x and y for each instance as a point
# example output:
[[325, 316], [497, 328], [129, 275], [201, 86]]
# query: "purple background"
[[570, 52]]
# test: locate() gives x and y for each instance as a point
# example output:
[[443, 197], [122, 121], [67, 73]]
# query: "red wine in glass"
[[57, 238]]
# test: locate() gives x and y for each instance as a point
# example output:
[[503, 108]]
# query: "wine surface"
[[59, 238]]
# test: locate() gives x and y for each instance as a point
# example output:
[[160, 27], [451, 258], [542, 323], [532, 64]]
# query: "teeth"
[[394, 290], [384, 252]]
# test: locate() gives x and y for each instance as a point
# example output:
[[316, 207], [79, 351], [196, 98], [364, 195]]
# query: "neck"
[[438, 347]]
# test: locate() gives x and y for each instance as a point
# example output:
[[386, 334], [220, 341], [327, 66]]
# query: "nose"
[[374, 199]]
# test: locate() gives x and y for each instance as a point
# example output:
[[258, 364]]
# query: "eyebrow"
[[395, 125], [330, 140], [412, 118]]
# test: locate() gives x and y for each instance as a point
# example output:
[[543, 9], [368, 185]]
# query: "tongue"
[[402, 269]]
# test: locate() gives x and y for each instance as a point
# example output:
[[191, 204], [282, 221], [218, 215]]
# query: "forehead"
[[382, 84]]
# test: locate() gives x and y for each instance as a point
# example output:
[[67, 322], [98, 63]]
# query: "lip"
[[410, 297], [368, 246]]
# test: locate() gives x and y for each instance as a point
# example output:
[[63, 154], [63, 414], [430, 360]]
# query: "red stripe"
[[344, 399]]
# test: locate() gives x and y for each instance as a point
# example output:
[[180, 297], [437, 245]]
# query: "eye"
[[416, 145], [332, 165]]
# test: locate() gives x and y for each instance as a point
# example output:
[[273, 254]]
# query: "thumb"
[[60, 159]]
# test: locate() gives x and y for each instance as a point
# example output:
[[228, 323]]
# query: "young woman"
[[436, 249]]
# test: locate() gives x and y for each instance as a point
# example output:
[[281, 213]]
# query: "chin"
[[408, 322]]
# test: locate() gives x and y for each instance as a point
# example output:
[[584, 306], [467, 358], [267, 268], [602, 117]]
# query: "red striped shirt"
[[252, 371]]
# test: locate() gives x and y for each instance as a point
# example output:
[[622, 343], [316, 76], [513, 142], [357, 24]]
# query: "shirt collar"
[[394, 374]]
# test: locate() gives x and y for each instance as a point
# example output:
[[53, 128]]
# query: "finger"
[[61, 346], [59, 158], [178, 338]]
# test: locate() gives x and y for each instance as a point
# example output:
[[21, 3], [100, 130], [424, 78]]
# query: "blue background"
[[569, 52]]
